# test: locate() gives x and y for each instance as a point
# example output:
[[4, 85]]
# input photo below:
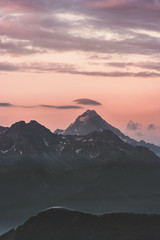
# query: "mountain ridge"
[[97, 173], [90, 121]]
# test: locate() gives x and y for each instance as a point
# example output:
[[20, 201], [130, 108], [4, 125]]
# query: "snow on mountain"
[[90, 121]]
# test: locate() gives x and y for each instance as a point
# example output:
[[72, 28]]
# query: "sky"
[[59, 58]]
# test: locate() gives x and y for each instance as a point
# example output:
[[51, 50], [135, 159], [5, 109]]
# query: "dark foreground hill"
[[61, 224]]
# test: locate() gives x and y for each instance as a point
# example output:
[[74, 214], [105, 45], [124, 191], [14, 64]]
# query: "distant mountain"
[[86, 123], [97, 173], [32, 140], [61, 223], [90, 121]]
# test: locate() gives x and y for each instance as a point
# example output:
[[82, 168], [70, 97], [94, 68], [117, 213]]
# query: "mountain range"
[[97, 173], [90, 121], [61, 223]]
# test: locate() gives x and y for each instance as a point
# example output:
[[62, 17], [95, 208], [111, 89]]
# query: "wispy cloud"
[[61, 107], [86, 101], [144, 65], [133, 126], [42, 106], [71, 69]]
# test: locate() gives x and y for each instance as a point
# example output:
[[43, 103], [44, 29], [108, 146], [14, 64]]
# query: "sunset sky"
[[59, 58]]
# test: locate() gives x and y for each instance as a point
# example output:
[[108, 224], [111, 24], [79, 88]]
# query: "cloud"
[[18, 48], [12, 105], [34, 6], [133, 126], [144, 65], [132, 13], [51, 31], [70, 69], [43, 106], [151, 127], [109, 27], [8, 67], [86, 101], [6, 105], [109, 4], [27, 106], [61, 107], [37, 67]]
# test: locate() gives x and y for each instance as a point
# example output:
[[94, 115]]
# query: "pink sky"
[[51, 54]]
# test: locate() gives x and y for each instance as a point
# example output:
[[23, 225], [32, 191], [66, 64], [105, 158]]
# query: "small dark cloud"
[[133, 126], [28, 106], [48, 106], [61, 107], [86, 101], [151, 127], [6, 105], [69, 107]]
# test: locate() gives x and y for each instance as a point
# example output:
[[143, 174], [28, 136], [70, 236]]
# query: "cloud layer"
[[38, 67], [41, 106], [61, 107], [123, 27]]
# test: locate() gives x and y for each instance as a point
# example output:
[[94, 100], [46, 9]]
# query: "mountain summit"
[[86, 123], [90, 121]]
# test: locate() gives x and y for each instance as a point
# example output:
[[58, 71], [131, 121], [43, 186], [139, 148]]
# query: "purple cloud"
[[51, 33], [71, 69], [6, 105]]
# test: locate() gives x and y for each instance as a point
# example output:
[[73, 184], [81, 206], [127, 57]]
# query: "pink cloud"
[[125, 4], [110, 3], [13, 5]]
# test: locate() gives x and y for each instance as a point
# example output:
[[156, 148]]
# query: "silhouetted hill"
[[60, 224]]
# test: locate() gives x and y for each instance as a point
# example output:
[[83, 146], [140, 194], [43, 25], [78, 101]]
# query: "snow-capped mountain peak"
[[90, 121]]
